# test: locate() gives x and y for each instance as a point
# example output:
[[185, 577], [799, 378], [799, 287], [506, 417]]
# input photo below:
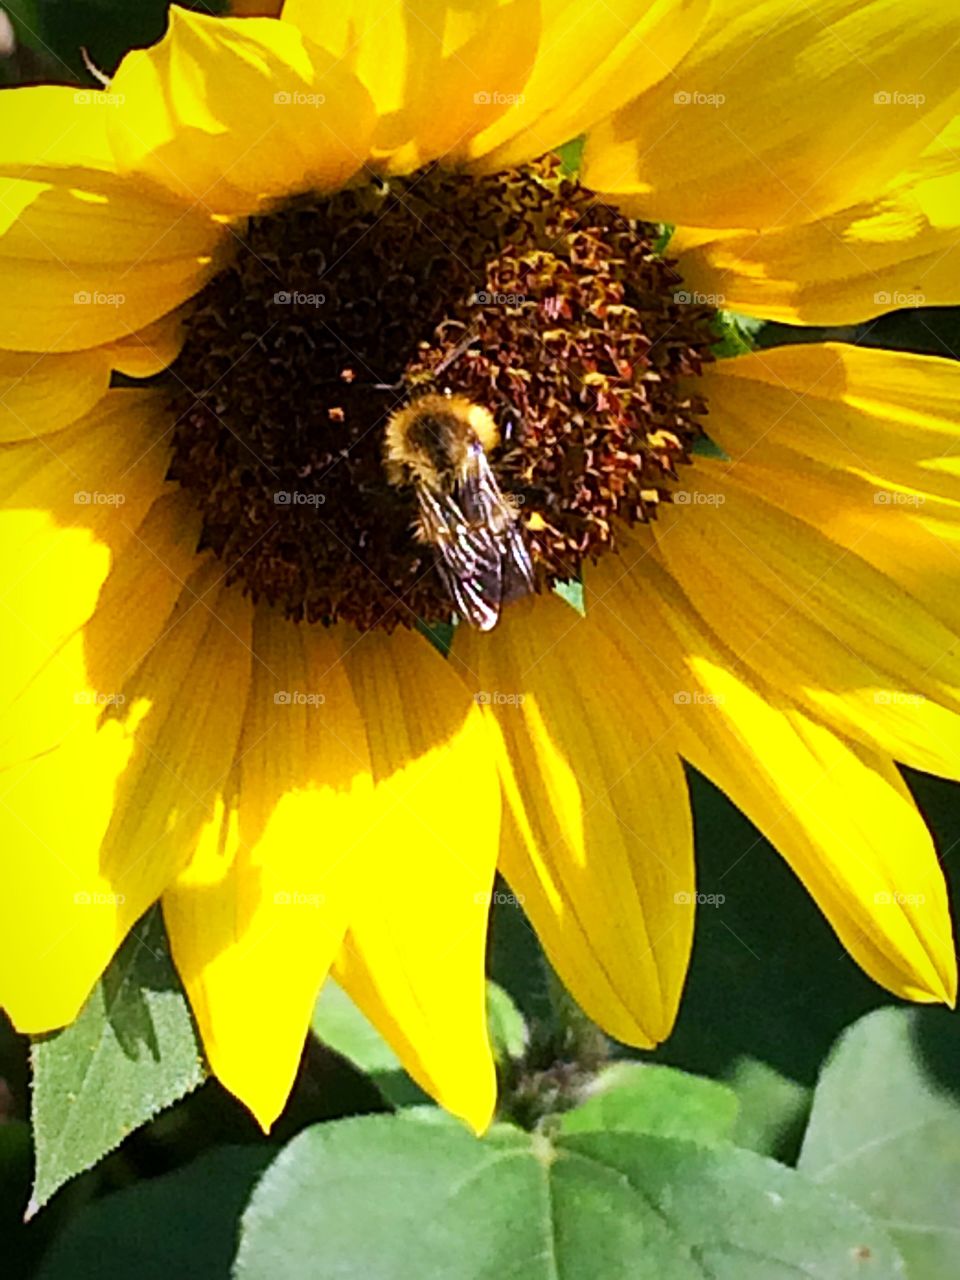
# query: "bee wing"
[[483, 560], [468, 560], [484, 504]]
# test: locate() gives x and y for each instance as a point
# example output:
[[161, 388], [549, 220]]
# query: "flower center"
[[520, 293]]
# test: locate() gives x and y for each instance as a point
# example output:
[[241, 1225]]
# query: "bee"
[[437, 444]]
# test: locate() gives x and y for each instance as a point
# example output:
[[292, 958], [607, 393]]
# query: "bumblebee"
[[437, 444]]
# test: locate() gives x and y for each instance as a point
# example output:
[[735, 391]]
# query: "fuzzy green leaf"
[[391, 1198], [130, 1053]]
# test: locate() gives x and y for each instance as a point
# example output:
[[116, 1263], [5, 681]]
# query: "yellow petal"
[[600, 848], [887, 416], [413, 959], [151, 350], [839, 814], [590, 61], [437, 71], [776, 115], [69, 506], [231, 114], [53, 130], [40, 394], [816, 620], [911, 536], [259, 914], [895, 250], [84, 257], [861, 444], [135, 748]]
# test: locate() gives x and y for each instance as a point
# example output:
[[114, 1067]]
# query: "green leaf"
[[773, 1109], [182, 1226], [340, 1024], [508, 1031], [388, 1198], [658, 1100], [737, 335], [130, 1053], [571, 154], [885, 1130]]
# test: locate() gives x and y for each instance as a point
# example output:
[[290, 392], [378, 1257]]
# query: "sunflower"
[[226, 272]]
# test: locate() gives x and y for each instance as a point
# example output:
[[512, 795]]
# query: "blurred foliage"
[[885, 1129]]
